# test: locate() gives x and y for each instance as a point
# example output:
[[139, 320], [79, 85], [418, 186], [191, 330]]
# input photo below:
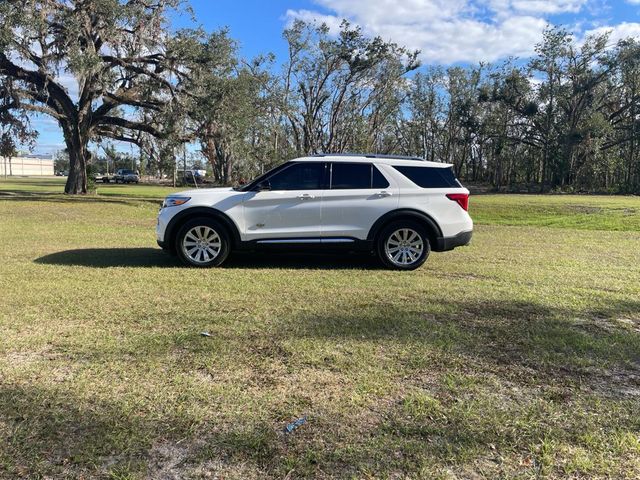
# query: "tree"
[[337, 91], [228, 119], [425, 107], [622, 108], [550, 63], [7, 151], [61, 161], [15, 127], [132, 73]]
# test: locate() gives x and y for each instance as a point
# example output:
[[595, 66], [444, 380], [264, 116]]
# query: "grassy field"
[[516, 357]]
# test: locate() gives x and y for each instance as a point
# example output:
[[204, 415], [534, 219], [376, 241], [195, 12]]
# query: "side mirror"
[[263, 186]]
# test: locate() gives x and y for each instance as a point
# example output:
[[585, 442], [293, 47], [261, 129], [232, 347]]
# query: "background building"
[[27, 165]]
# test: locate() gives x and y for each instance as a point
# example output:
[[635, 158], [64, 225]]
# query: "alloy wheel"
[[201, 244], [404, 247]]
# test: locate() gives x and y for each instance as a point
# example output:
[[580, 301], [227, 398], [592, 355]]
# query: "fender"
[[404, 212], [193, 212]]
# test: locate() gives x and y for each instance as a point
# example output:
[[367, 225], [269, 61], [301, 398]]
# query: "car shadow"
[[156, 258], [298, 260], [110, 257]]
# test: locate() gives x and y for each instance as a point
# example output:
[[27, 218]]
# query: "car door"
[[357, 195], [287, 204]]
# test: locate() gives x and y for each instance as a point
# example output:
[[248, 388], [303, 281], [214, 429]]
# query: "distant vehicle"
[[124, 175], [100, 177], [401, 208], [193, 176], [62, 173]]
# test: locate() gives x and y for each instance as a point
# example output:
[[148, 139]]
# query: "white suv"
[[399, 207]]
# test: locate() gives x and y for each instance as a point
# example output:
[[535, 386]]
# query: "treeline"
[[568, 118]]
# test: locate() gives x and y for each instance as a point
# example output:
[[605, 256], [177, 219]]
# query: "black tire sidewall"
[[220, 230], [392, 227]]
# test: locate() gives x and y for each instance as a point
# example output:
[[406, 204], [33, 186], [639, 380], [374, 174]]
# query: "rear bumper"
[[449, 243]]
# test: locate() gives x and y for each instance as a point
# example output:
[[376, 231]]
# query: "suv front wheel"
[[403, 245], [202, 243]]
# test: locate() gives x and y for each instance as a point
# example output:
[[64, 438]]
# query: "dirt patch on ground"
[[167, 460], [585, 209], [617, 382], [25, 358], [178, 460]]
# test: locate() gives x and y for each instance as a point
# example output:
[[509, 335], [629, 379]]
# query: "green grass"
[[578, 212], [55, 185], [518, 356]]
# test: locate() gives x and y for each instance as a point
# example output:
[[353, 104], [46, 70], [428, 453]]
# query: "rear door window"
[[356, 176]]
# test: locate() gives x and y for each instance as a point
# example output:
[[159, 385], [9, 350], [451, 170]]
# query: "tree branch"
[[123, 123], [56, 98]]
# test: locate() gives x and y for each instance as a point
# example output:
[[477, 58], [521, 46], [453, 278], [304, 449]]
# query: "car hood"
[[220, 198], [201, 192]]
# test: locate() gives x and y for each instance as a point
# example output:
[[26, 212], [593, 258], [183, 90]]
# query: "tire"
[[403, 245], [214, 241]]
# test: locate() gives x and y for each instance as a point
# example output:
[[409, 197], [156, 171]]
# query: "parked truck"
[[122, 175]]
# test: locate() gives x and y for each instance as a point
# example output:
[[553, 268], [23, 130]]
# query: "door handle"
[[384, 193], [305, 196]]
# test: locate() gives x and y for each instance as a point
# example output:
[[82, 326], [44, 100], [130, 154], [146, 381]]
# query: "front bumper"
[[449, 243], [161, 225]]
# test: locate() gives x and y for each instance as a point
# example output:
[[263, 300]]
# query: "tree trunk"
[[78, 154]]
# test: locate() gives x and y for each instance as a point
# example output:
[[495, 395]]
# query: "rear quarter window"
[[430, 177]]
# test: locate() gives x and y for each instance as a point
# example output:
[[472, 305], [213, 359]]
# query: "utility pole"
[[175, 170], [184, 162]]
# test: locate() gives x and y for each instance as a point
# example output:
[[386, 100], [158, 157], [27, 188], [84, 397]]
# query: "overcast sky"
[[445, 31]]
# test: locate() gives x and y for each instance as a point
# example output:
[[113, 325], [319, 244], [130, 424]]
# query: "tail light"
[[461, 199]]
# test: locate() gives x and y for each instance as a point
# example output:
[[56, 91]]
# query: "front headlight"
[[174, 201]]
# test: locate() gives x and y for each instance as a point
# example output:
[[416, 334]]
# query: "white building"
[[27, 165]]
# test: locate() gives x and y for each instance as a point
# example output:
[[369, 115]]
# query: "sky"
[[447, 32]]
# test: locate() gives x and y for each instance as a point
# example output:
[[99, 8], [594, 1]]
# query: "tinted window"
[[299, 176], [350, 175], [378, 180], [356, 176], [430, 177]]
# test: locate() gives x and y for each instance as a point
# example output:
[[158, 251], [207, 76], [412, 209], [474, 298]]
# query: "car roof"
[[399, 160]]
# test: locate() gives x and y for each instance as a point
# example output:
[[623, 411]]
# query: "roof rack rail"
[[368, 155]]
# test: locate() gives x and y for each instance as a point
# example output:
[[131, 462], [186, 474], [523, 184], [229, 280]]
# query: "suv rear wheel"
[[202, 243], [403, 245]]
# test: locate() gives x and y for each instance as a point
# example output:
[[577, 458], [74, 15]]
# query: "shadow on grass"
[[58, 181], [53, 431], [303, 261], [154, 257], [111, 257], [54, 197], [596, 347]]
